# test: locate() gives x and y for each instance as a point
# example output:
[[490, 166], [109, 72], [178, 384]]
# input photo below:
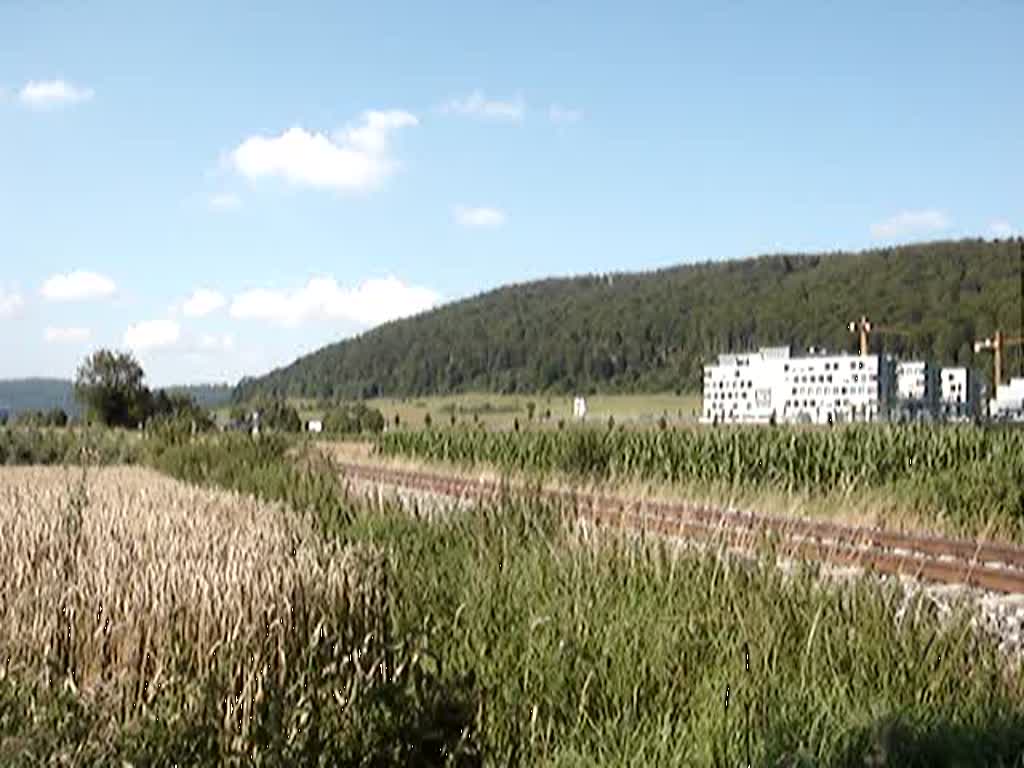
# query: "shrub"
[[354, 418]]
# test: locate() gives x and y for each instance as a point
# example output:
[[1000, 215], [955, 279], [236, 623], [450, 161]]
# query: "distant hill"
[[206, 395], [17, 395], [653, 331]]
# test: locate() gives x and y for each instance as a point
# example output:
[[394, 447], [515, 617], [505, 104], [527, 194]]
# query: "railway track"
[[982, 565]]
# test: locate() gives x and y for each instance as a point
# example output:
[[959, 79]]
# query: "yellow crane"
[[865, 328], [997, 343]]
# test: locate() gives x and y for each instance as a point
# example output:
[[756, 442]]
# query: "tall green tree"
[[110, 386]]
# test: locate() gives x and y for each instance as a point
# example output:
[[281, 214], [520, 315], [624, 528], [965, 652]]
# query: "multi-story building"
[[960, 396], [1008, 403], [820, 388], [917, 390], [743, 388]]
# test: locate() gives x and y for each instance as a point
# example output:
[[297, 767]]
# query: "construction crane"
[[997, 343], [865, 328]]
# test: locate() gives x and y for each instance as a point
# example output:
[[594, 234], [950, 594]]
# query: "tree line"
[[654, 331], [111, 388]]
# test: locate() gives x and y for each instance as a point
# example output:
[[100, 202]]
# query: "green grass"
[[621, 653], [964, 479], [85, 445], [499, 411], [533, 645]]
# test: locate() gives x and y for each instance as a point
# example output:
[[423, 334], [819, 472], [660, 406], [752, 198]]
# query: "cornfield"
[[964, 474]]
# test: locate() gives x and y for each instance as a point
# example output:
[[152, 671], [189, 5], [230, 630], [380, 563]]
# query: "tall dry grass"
[[125, 586]]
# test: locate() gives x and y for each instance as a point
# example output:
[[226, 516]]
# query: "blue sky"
[[223, 186]]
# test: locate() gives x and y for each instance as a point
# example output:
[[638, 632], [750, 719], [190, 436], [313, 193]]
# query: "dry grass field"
[[122, 585]]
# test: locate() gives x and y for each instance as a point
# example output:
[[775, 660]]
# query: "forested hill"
[[654, 330]]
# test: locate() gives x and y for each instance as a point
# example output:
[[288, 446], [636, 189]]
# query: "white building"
[[917, 390], [315, 426], [745, 388], [771, 385], [960, 394], [1009, 401]]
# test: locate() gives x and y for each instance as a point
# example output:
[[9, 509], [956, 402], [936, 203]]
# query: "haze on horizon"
[[221, 189]]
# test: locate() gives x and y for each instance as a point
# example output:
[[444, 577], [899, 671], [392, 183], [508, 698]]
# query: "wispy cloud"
[[152, 334], [1002, 228], [225, 202], [77, 286], [479, 106], [564, 115], [11, 302], [370, 303], [66, 335], [53, 93], [910, 224], [203, 302], [357, 158], [479, 217]]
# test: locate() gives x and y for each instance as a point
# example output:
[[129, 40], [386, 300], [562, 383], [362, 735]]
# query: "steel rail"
[[929, 558]]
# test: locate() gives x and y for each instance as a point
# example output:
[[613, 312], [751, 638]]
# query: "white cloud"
[[78, 285], [477, 105], [202, 303], [53, 93], [225, 202], [11, 303], [213, 343], [66, 335], [152, 334], [371, 303], [358, 158], [911, 223], [1002, 228], [479, 217], [564, 115]]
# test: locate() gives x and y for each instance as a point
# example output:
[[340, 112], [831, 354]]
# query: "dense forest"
[[20, 395], [653, 331]]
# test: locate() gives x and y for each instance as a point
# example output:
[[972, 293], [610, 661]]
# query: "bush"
[[278, 416], [352, 419]]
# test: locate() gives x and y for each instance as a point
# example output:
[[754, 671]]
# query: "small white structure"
[[1009, 401], [767, 385], [316, 426], [579, 407]]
